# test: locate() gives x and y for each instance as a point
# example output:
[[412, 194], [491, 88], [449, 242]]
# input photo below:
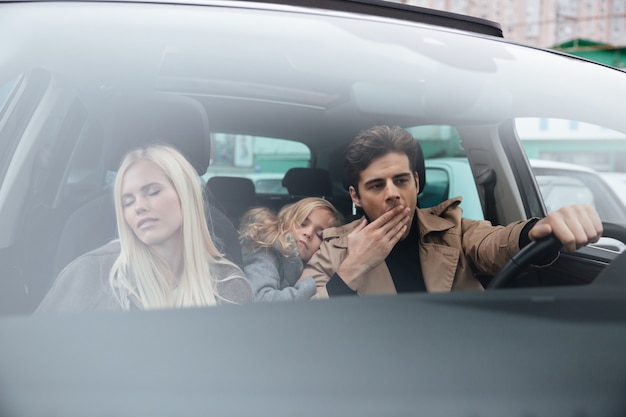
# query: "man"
[[399, 248]]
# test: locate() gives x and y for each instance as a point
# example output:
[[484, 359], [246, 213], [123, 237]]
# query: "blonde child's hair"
[[261, 227]]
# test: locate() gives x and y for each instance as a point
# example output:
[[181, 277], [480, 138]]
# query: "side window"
[[263, 160], [570, 160], [574, 142], [448, 172], [563, 190], [437, 188], [438, 141]]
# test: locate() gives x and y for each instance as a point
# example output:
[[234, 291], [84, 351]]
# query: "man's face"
[[386, 183]]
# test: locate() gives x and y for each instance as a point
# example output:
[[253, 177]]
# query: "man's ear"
[[417, 181], [355, 198]]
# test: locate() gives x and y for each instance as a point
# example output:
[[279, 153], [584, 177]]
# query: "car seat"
[[233, 195], [130, 122], [303, 182], [308, 182]]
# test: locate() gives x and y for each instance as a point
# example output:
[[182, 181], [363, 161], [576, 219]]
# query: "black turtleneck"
[[404, 263]]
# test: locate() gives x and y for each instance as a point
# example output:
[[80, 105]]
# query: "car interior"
[[82, 201], [263, 98], [79, 121]]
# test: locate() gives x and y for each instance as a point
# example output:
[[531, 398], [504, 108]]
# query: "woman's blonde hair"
[[260, 227], [138, 272]]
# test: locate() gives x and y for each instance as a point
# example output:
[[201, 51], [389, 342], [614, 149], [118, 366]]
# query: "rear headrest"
[[179, 121], [308, 182], [232, 189], [233, 195]]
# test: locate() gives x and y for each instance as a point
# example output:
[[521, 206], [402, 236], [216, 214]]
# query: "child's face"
[[309, 233]]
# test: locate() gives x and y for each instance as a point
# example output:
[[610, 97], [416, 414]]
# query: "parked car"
[[617, 180], [563, 184], [448, 178], [82, 82]]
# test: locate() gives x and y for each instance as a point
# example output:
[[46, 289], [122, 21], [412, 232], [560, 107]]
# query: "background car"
[[448, 178], [242, 87], [617, 180], [563, 184]]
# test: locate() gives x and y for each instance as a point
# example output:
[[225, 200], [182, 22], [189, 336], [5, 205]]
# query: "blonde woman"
[[276, 247], [164, 258]]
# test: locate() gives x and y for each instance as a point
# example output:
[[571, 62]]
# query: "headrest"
[[308, 182], [234, 195], [231, 188], [179, 121]]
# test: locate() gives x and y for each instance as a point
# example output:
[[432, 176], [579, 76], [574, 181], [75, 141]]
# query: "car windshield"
[[292, 99], [181, 183]]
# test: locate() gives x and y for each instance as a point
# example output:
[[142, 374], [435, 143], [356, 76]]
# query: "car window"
[[559, 191], [270, 185], [568, 156], [261, 159], [437, 188], [573, 141], [438, 141], [264, 107], [248, 92], [448, 173]]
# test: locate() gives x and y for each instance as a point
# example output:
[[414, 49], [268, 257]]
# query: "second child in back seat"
[[276, 247]]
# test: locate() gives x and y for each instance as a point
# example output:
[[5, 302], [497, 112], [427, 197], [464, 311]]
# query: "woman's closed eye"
[[127, 202], [154, 191]]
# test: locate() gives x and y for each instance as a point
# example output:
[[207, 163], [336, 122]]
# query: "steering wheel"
[[537, 249]]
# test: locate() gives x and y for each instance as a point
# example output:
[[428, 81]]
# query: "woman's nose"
[[140, 205]]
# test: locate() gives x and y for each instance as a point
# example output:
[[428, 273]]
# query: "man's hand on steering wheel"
[[570, 227], [574, 226]]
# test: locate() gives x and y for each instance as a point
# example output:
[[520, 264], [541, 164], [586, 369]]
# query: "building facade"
[[545, 23]]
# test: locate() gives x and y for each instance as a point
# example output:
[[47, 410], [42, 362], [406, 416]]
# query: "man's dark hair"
[[373, 143]]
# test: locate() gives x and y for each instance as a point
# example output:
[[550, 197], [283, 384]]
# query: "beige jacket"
[[451, 250]]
